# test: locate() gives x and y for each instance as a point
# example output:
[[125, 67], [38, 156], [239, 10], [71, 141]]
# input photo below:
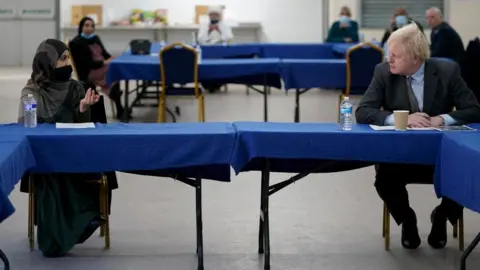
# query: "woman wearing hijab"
[[399, 20], [215, 31], [345, 30], [66, 205], [92, 59]]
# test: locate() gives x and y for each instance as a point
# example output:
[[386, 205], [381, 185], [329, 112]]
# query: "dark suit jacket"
[[446, 42], [471, 66], [444, 89]]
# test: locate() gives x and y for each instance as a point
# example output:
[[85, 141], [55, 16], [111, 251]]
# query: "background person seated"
[[345, 29], [445, 41], [400, 18], [91, 61], [429, 89], [215, 31]]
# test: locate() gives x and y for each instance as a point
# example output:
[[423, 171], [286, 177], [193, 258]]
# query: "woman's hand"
[[89, 99]]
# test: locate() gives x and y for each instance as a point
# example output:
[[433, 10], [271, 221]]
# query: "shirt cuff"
[[389, 121], [448, 120]]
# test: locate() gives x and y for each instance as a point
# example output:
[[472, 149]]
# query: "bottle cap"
[[346, 98], [30, 95]]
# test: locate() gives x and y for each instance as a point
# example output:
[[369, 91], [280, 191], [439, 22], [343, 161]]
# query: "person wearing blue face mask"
[[400, 19], [344, 30], [91, 61]]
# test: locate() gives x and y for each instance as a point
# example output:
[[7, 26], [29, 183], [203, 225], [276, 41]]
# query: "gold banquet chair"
[[361, 61], [179, 65], [104, 211]]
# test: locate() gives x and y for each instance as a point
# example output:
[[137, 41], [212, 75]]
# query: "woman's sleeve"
[[82, 56], [355, 35], [105, 53], [78, 95]]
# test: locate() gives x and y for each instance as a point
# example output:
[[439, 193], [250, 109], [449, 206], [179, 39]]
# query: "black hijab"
[[82, 23], [45, 60]]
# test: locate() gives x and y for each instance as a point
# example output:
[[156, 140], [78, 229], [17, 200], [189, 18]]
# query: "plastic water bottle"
[[30, 112], [346, 116], [162, 44]]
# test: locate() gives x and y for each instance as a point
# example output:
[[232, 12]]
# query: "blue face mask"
[[344, 19], [88, 36], [401, 20]]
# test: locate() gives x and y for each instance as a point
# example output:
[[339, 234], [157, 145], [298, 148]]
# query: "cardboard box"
[[93, 11]]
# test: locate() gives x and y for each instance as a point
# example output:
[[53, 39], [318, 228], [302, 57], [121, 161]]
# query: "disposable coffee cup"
[[401, 120]]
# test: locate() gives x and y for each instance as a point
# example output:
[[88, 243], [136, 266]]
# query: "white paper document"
[[75, 125], [374, 127]]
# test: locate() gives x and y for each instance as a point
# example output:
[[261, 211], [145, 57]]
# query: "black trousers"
[[391, 181]]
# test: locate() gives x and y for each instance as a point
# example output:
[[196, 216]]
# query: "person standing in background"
[[399, 20], [444, 40], [216, 31], [345, 30]]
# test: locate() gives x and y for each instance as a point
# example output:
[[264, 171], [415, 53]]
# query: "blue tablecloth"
[[297, 50], [15, 159], [191, 150], [285, 142], [246, 71], [457, 173], [314, 73], [222, 51]]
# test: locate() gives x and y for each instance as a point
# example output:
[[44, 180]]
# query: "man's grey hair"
[[436, 10]]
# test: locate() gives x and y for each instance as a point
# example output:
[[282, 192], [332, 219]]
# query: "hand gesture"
[[419, 120], [89, 99]]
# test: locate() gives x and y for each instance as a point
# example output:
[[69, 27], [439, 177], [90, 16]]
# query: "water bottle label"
[[346, 110], [26, 107], [33, 106]]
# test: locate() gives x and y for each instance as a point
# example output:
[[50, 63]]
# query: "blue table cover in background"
[[221, 51], [457, 173], [191, 150], [291, 141], [297, 51], [314, 73], [245, 71], [15, 159]]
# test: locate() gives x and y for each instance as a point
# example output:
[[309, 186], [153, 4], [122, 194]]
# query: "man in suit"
[[429, 89], [445, 41]]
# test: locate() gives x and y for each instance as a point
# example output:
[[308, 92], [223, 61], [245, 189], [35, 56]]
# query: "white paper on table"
[[374, 127], [75, 125]]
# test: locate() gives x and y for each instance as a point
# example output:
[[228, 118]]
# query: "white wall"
[[282, 20], [463, 15]]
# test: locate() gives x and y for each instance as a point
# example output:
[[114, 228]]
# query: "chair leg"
[[455, 230], [383, 221], [461, 233], [201, 109], [161, 110], [107, 216], [31, 214], [102, 207], [386, 215]]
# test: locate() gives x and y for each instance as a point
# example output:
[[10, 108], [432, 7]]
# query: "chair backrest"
[[361, 61], [140, 46], [179, 64]]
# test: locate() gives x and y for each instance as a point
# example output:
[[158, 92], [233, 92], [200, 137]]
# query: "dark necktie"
[[411, 97]]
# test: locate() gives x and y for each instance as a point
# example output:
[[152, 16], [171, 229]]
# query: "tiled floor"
[[329, 221]]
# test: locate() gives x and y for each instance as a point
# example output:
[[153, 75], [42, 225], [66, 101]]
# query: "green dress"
[[66, 204]]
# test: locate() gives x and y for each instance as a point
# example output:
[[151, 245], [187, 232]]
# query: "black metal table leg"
[[260, 223], [297, 106], [265, 215], [5, 261], [265, 99], [126, 106], [198, 199], [466, 253]]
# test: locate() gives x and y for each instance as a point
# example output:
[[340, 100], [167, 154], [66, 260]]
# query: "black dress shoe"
[[438, 235], [410, 237]]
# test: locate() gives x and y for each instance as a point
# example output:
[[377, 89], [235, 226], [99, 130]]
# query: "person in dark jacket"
[[445, 41], [91, 61], [400, 19], [344, 30]]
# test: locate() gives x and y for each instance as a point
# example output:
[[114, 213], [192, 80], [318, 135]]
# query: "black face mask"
[[62, 74], [214, 21]]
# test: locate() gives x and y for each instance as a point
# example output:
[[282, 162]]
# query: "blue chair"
[[179, 65], [361, 62]]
